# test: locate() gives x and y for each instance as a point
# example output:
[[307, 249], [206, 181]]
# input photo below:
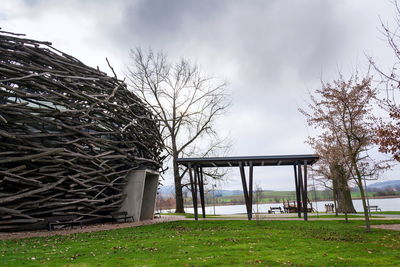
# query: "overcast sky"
[[271, 53]]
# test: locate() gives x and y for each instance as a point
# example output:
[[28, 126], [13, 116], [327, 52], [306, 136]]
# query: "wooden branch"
[[69, 134]]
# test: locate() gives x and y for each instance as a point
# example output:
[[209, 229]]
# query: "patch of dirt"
[[86, 228], [395, 227]]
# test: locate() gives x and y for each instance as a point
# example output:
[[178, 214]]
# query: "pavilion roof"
[[272, 160]]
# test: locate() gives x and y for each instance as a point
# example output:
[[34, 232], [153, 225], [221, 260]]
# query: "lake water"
[[385, 204]]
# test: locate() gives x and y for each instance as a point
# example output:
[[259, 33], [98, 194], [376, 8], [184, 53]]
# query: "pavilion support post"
[[201, 190], [251, 187], [245, 192], [194, 192], [300, 175], [298, 198], [305, 199]]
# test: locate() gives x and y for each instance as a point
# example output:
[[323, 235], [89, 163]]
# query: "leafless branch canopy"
[[343, 111], [186, 102]]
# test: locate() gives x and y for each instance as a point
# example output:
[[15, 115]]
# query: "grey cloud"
[[266, 37], [270, 51], [280, 48], [158, 22]]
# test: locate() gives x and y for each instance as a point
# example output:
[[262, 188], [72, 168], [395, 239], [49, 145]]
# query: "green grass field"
[[211, 243]]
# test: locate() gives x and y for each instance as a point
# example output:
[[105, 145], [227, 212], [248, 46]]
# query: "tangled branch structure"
[[69, 134]]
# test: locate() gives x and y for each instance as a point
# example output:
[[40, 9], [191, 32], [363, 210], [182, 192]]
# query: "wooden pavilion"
[[299, 162]]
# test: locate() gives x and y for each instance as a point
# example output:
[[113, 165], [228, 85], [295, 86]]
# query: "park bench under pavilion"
[[299, 162]]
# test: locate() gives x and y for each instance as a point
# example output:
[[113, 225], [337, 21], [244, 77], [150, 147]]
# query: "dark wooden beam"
[[298, 198], [201, 189], [71, 138], [251, 188], [194, 192], [305, 199], [245, 192], [300, 175]]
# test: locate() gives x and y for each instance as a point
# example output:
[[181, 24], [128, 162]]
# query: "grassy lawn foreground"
[[210, 243]]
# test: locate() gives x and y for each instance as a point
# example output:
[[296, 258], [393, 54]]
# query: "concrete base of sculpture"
[[141, 192]]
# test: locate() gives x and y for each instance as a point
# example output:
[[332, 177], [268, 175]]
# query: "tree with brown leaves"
[[343, 111], [388, 132], [332, 171]]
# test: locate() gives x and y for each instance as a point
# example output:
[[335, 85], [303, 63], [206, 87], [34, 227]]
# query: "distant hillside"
[[167, 190], [384, 185], [224, 193]]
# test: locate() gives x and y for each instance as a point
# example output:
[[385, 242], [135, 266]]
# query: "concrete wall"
[[141, 192]]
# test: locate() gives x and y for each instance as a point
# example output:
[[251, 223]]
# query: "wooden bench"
[[61, 220], [375, 208], [275, 210], [121, 215]]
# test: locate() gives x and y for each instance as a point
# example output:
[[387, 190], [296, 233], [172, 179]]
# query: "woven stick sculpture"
[[69, 134]]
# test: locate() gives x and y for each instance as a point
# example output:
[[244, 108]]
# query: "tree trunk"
[[360, 186], [342, 191], [179, 207], [366, 215], [364, 202], [335, 202]]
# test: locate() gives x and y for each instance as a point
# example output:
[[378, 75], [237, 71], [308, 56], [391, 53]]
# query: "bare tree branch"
[[187, 104]]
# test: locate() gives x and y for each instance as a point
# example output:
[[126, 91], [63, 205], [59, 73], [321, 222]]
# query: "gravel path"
[[395, 227], [87, 228]]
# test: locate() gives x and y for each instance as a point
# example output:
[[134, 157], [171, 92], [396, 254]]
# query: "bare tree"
[[258, 194], [187, 104], [343, 113]]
